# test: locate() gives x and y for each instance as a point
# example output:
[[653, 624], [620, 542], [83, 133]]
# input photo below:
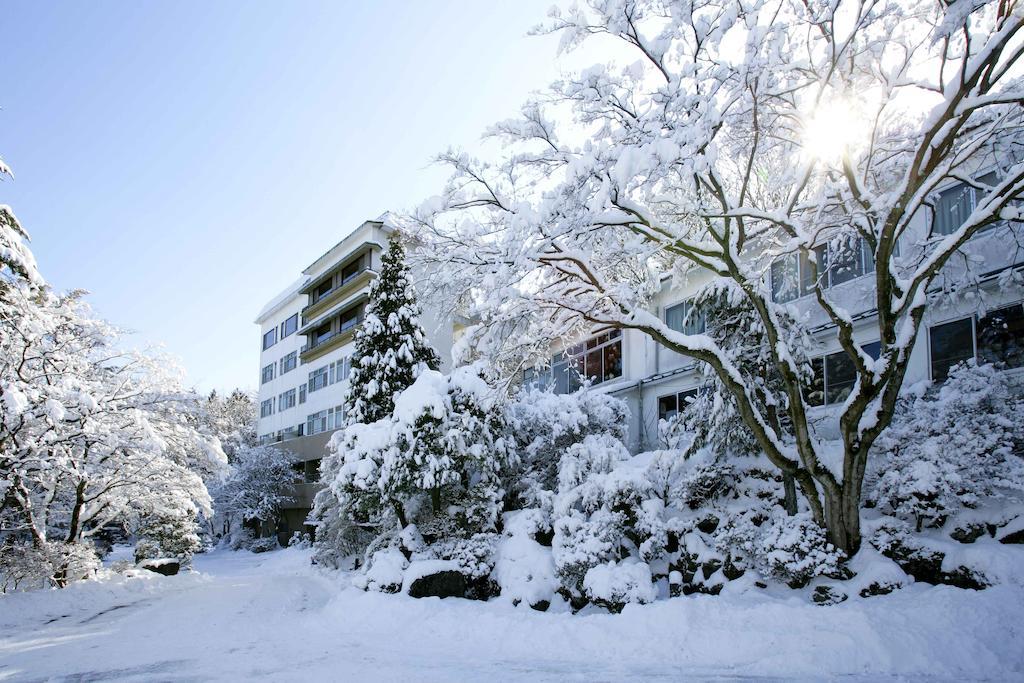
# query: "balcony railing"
[[347, 286]]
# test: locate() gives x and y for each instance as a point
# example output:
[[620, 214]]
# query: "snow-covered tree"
[[255, 488], [728, 135], [391, 352], [435, 462], [17, 263], [92, 435], [232, 419], [391, 348]]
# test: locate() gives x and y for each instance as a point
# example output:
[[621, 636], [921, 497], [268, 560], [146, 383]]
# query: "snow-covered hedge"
[[574, 519]]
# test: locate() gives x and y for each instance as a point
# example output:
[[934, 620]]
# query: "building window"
[[793, 276], [335, 417], [955, 204], [339, 370], [288, 433], [269, 338], [286, 400], [834, 376], [267, 374], [843, 259], [1000, 337], [317, 379], [685, 317], [302, 393], [351, 318], [669, 406], [266, 439], [322, 334], [351, 270], [949, 344], [289, 326], [598, 359], [267, 408], [316, 423], [289, 362], [323, 289]]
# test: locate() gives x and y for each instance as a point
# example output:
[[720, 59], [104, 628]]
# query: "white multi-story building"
[[306, 344], [987, 324], [307, 331]]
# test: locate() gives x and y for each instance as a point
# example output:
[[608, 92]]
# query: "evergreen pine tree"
[[391, 346], [391, 351]]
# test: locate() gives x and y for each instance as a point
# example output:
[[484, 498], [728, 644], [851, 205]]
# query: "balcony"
[[327, 343], [338, 294]]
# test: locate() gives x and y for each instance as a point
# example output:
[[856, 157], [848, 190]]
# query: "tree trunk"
[[842, 521], [400, 513], [76, 513], [435, 499], [789, 486]]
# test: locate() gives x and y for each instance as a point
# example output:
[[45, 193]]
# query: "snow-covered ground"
[[242, 616]]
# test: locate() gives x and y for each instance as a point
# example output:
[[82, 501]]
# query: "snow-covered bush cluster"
[[952, 449], [949, 476]]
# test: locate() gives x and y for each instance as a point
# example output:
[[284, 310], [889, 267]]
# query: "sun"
[[834, 130]]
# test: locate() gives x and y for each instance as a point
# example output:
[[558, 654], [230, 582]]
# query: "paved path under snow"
[[271, 617]]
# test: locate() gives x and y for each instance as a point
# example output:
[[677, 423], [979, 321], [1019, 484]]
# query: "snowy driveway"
[[270, 616]]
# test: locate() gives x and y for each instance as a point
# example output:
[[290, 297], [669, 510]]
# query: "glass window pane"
[[784, 278], [952, 209], [840, 376], [874, 349], [809, 270], [668, 407], [816, 391], [844, 260], [694, 323], [950, 344], [613, 361], [560, 373], [593, 369], [1001, 337], [674, 317]]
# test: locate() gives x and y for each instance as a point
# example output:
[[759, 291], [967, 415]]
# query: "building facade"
[[986, 322], [306, 345]]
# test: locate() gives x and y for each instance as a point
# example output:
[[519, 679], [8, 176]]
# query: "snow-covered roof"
[[385, 223], [281, 299]]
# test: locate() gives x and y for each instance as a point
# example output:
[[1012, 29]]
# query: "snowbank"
[[273, 616]]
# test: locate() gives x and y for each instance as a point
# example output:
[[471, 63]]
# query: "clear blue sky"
[[183, 161]]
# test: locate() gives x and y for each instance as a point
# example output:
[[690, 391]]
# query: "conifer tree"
[[391, 345], [391, 352]]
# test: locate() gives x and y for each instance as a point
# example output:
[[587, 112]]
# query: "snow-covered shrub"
[[168, 533], [525, 569], [24, 567], [256, 486], [264, 545], [615, 584], [300, 540], [791, 549], [384, 573], [951, 449], [474, 557], [604, 511], [146, 549], [543, 425], [435, 461]]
